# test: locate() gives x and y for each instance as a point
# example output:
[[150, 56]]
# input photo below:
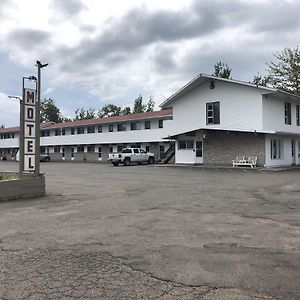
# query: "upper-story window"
[[213, 113], [57, 132], [63, 131], [160, 123], [122, 127], [99, 128], [111, 127], [147, 125], [91, 129], [136, 126], [298, 115], [80, 130], [7, 136], [72, 131], [45, 133], [287, 113]]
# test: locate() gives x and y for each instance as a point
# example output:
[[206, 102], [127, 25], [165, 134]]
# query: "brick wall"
[[221, 147]]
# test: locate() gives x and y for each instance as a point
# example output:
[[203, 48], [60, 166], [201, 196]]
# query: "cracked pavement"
[[146, 232]]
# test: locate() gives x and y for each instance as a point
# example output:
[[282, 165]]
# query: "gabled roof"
[[131, 117], [201, 78]]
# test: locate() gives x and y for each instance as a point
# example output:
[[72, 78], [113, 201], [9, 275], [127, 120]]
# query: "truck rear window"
[[126, 151]]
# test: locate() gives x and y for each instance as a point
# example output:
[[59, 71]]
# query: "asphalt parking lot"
[[147, 232]]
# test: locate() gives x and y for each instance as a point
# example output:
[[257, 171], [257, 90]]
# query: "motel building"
[[209, 121], [93, 140]]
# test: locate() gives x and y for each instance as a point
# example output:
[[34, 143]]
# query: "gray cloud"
[[28, 39], [140, 27], [177, 44], [67, 7]]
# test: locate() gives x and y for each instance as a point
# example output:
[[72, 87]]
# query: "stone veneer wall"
[[28, 186], [221, 147]]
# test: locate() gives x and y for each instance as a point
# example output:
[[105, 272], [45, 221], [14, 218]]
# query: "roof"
[[131, 117], [201, 78]]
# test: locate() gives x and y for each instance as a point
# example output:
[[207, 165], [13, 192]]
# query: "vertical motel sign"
[[29, 129]]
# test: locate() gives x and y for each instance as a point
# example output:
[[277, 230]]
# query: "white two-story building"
[[92, 140], [212, 120], [216, 119]]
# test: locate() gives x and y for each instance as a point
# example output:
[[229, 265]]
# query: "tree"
[[139, 107], [285, 72], [261, 80], [126, 111], [50, 112], [150, 105], [109, 110], [82, 114], [222, 70]]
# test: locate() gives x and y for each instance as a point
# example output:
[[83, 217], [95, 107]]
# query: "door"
[[199, 152]]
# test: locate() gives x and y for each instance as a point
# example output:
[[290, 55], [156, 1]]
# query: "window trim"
[[188, 144], [287, 113], [276, 150], [215, 113]]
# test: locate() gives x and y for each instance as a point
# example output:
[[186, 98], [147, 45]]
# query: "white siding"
[[286, 159], [273, 115], [240, 108]]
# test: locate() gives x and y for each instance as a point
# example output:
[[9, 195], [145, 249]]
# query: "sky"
[[101, 52]]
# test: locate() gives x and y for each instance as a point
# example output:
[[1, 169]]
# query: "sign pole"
[[21, 133]]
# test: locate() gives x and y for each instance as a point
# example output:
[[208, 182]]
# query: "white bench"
[[245, 161]]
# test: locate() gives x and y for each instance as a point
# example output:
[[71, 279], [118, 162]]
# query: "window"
[[56, 149], [185, 144], [80, 130], [100, 128], [72, 151], [63, 131], [213, 113], [126, 151], [147, 148], [91, 129], [111, 149], [110, 127], [147, 125], [72, 131], [143, 151], [298, 115], [199, 149], [99, 152], [80, 149], [287, 113], [63, 152], [276, 149], [160, 123], [136, 126], [45, 133], [122, 127], [91, 148], [135, 150], [57, 132], [119, 148]]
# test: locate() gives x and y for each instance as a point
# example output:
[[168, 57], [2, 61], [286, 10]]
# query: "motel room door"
[[199, 152]]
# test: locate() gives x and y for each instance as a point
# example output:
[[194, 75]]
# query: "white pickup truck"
[[131, 155]]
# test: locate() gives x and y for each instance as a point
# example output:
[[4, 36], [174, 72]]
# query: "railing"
[[168, 155]]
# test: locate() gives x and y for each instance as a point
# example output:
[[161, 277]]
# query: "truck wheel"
[[151, 160], [127, 162], [115, 163]]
